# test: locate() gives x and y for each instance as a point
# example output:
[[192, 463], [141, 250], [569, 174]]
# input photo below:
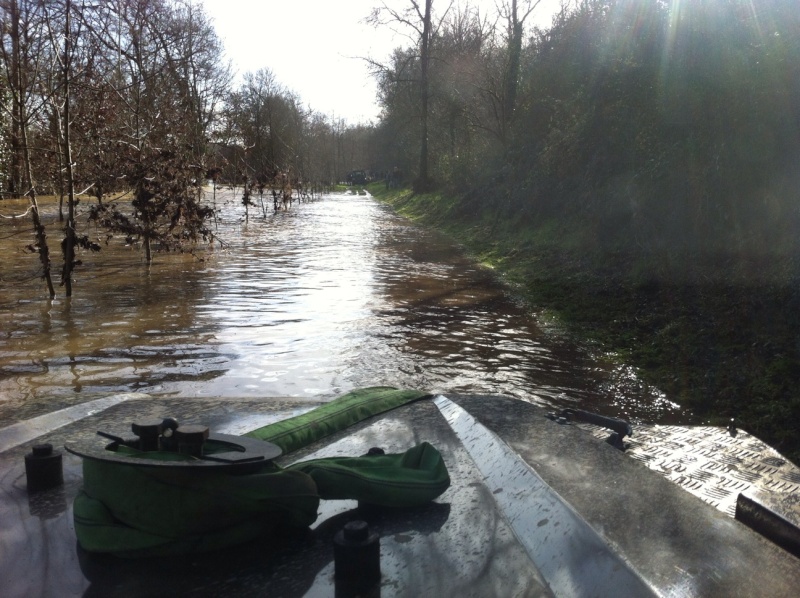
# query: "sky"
[[316, 47]]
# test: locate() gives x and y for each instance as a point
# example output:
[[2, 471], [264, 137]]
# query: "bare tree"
[[70, 236], [270, 122], [515, 12], [22, 51], [162, 81], [196, 66], [63, 49], [418, 18], [463, 51]]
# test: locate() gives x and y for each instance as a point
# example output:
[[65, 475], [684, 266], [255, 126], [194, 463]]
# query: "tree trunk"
[[38, 227], [423, 178], [512, 70], [21, 121], [59, 152], [15, 182], [69, 231], [147, 250]]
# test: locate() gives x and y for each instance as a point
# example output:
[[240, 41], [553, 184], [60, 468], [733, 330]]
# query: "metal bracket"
[[619, 427]]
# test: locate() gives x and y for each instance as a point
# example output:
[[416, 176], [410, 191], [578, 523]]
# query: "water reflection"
[[315, 300]]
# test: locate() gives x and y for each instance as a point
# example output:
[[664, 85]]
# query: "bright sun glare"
[[316, 47]]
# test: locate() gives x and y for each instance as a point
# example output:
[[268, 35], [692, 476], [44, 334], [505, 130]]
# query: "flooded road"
[[313, 301]]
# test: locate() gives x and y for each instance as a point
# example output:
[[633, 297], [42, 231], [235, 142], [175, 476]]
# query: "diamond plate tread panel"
[[714, 465]]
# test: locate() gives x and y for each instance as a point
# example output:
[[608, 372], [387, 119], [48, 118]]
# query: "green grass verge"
[[717, 344]]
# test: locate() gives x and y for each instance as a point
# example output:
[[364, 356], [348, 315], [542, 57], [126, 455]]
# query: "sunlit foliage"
[[659, 122]]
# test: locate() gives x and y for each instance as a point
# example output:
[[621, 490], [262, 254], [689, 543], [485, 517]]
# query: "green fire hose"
[[133, 510]]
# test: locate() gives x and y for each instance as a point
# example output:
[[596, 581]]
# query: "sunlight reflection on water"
[[313, 301]]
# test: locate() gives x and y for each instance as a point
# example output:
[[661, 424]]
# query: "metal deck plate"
[[716, 466], [460, 545]]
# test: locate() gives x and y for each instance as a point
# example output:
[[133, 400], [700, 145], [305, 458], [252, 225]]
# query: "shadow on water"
[[312, 301]]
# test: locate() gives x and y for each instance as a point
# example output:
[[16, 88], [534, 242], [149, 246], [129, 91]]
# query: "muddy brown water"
[[312, 301]]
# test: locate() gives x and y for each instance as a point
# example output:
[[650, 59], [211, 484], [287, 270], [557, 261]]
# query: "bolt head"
[[192, 434], [356, 531], [42, 450]]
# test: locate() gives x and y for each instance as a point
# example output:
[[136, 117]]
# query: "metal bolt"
[[357, 557], [43, 468], [190, 440], [148, 433], [42, 450]]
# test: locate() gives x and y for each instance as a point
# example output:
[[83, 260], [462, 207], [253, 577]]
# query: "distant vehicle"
[[358, 177]]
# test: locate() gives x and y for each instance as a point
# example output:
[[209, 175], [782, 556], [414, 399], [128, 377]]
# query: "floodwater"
[[312, 301]]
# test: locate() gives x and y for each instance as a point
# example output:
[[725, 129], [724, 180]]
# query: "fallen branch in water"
[[14, 217]]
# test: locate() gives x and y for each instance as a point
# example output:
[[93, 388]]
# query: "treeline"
[[663, 125], [134, 98], [634, 167], [654, 125], [263, 131]]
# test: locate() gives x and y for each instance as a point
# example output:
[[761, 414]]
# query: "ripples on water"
[[309, 302]]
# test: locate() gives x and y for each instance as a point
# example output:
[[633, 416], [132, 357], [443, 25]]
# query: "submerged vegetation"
[[134, 100]]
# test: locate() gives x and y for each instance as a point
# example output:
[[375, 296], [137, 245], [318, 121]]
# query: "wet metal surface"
[[309, 302], [25, 431], [471, 541], [679, 544], [467, 548], [460, 545], [715, 465], [573, 558], [732, 471]]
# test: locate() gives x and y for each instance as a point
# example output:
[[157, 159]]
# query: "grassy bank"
[[719, 335]]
